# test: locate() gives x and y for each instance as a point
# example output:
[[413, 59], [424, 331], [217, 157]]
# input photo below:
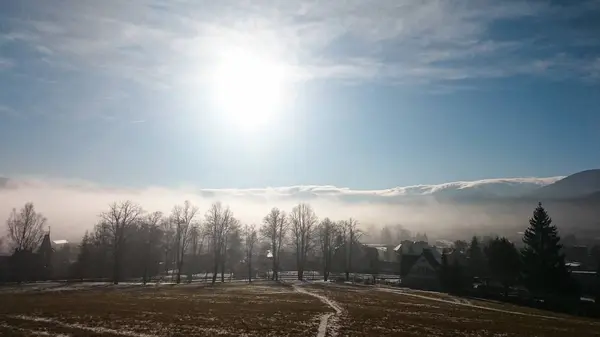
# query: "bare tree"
[[274, 229], [118, 221], [250, 240], [25, 229], [327, 234], [196, 245], [231, 247], [350, 235], [150, 229], [218, 221], [182, 218], [168, 239], [303, 221]]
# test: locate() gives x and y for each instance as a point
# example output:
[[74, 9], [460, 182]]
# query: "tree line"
[[129, 242], [539, 266]]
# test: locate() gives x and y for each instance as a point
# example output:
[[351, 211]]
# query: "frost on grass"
[[8, 330], [371, 312], [221, 310]]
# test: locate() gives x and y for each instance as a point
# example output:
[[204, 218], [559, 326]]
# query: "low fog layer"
[[73, 206]]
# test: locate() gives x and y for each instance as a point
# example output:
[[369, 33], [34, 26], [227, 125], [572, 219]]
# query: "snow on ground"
[[120, 332], [466, 303], [33, 332]]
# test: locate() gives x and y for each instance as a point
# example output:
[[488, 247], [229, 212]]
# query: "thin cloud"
[[8, 111], [397, 41], [6, 63]]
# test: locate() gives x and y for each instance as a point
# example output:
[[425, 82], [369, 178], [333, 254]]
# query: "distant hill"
[[579, 185]]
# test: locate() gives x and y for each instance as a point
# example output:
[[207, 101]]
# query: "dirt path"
[[328, 320]]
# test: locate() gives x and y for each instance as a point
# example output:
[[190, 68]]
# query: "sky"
[[359, 94]]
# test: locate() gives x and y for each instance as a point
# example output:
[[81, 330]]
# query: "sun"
[[249, 88]]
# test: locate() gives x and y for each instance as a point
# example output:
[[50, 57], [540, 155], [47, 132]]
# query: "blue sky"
[[381, 94]]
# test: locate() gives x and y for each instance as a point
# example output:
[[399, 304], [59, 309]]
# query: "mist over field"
[[72, 207]]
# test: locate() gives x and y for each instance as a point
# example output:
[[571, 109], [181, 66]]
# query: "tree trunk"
[[301, 270], [249, 271], [215, 268], [179, 267], [145, 273], [166, 263], [223, 270], [116, 266], [350, 256], [215, 273]]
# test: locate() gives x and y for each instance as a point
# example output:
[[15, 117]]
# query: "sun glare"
[[249, 89]]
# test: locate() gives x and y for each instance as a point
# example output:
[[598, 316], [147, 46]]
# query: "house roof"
[[428, 254], [408, 261]]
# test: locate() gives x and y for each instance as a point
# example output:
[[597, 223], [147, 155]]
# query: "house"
[[420, 270], [408, 247], [385, 253], [45, 253], [28, 265], [419, 264]]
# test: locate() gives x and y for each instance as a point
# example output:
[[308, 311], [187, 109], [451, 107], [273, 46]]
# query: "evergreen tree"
[[445, 273], [81, 268], [477, 265], [504, 262], [461, 246], [451, 275], [544, 270]]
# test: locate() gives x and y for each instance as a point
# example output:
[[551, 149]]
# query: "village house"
[[419, 265]]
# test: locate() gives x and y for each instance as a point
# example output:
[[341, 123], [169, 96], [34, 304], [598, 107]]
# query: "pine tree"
[[84, 258], [504, 262], [544, 269], [477, 265]]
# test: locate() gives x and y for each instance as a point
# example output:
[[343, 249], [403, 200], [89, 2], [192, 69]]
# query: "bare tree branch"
[[218, 222], [250, 240], [118, 220], [25, 229], [274, 229], [328, 232], [303, 221], [182, 217]]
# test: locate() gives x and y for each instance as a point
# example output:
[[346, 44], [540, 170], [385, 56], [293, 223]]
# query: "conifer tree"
[[544, 270]]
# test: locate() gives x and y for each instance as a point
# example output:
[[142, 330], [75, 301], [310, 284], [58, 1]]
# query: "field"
[[266, 309]]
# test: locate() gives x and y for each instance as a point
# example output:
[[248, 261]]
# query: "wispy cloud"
[[6, 63], [400, 41], [8, 111]]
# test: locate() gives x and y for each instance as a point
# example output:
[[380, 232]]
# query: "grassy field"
[[395, 312], [224, 310], [268, 309]]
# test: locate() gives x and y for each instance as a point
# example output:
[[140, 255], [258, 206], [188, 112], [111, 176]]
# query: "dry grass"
[[371, 312], [227, 310], [268, 309]]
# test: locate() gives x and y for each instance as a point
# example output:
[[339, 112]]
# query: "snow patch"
[[97, 329]]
